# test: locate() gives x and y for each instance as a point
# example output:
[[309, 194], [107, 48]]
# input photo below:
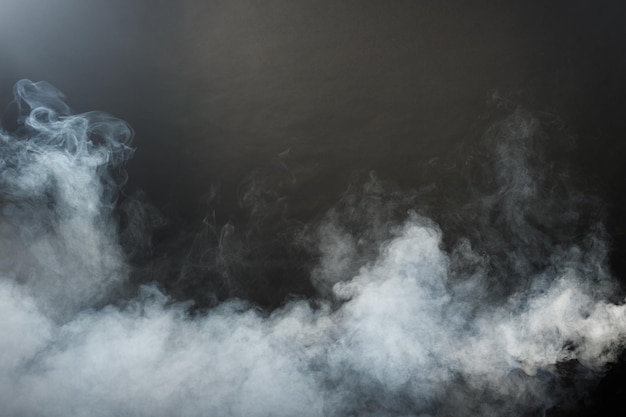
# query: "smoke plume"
[[509, 315]]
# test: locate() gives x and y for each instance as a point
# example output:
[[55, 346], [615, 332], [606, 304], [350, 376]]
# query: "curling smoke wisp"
[[509, 320]]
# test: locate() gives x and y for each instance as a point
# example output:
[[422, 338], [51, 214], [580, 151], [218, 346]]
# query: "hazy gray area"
[[341, 208], [217, 89], [515, 318]]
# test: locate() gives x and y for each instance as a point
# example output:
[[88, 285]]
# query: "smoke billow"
[[58, 183], [508, 316]]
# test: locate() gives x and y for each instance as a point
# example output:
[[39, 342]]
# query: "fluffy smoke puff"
[[402, 344], [404, 339]]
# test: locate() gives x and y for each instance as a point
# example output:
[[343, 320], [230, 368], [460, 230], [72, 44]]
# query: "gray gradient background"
[[217, 90]]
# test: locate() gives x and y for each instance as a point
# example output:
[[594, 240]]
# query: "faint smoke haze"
[[323, 207], [512, 318]]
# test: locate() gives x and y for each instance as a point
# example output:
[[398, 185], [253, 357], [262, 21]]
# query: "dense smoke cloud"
[[509, 320]]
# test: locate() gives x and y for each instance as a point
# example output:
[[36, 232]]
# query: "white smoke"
[[414, 330], [57, 186]]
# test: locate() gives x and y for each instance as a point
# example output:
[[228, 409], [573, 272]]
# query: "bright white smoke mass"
[[510, 320]]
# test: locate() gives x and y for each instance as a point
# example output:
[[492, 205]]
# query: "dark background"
[[243, 107]]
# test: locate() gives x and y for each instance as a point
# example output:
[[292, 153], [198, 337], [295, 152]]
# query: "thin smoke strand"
[[413, 331]]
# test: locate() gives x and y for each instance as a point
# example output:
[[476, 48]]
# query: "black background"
[[223, 93]]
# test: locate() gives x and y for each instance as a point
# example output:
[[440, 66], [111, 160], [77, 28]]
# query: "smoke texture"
[[504, 306]]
